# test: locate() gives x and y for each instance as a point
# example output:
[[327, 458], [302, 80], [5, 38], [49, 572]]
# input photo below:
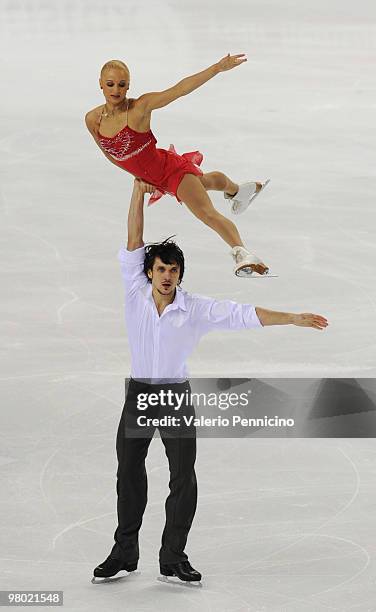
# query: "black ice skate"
[[109, 568], [183, 570]]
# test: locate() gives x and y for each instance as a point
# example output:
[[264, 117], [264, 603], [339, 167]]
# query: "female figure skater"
[[121, 129]]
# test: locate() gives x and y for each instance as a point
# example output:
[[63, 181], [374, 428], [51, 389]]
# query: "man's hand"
[[143, 187], [231, 61], [307, 319]]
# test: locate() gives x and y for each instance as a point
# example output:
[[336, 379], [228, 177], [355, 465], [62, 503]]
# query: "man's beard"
[[160, 292]]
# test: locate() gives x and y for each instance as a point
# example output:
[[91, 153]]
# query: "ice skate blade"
[[247, 273], [175, 581], [96, 580], [117, 578]]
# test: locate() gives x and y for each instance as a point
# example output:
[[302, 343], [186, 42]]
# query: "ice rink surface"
[[282, 525]]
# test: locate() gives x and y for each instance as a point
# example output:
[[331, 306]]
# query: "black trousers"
[[132, 446]]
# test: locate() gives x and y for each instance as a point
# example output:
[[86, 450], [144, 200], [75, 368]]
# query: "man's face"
[[164, 277]]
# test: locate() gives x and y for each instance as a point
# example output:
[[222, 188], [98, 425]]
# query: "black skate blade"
[[96, 580], [124, 574], [175, 581]]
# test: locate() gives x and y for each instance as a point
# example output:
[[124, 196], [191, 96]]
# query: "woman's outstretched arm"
[[158, 99]]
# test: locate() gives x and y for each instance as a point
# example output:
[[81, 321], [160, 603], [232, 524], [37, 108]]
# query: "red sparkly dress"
[[136, 152]]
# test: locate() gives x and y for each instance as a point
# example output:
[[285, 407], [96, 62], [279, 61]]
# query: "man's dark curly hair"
[[168, 251]]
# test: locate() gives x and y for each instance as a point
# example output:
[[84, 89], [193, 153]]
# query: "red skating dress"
[[136, 152]]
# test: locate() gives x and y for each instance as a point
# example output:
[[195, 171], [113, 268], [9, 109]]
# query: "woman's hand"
[[231, 61], [143, 187]]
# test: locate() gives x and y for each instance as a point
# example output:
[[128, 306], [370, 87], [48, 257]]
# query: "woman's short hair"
[[114, 64]]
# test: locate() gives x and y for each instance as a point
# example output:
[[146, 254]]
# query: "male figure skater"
[[164, 325]]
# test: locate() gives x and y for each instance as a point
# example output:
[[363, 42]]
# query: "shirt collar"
[[179, 300]]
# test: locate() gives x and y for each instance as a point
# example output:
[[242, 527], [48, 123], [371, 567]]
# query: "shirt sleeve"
[[212, 315], [132, 269]]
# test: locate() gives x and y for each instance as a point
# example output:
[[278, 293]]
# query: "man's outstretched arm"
[[136, 214], [306, 319]]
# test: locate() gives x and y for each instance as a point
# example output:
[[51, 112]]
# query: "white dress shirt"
[[160, 345]]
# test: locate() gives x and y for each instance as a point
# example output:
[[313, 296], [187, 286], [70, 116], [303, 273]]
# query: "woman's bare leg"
[[218, 181], [192, 192]]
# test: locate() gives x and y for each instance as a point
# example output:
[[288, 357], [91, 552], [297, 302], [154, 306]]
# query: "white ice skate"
[[248, 265], [245, 195]]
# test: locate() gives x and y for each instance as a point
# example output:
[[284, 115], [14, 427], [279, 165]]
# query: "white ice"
[[282, 525]]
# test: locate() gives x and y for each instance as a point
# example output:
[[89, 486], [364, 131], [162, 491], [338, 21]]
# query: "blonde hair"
[[114, 64]]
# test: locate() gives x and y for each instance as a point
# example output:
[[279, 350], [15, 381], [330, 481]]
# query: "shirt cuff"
[[132, 257], [250, 317]]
